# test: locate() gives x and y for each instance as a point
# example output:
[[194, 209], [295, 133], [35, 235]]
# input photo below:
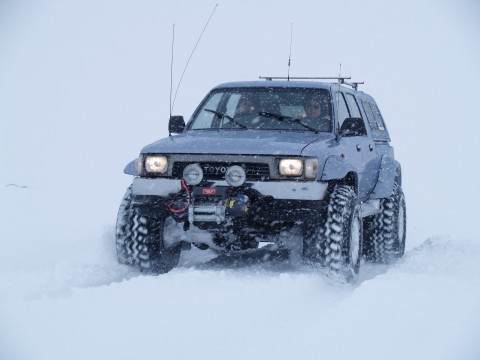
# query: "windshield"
[[294, 109]]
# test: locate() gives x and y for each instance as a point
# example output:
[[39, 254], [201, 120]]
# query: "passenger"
[[313, 115]]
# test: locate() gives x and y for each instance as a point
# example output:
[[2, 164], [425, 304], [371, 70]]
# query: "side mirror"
[[176, 124], [353, 127]]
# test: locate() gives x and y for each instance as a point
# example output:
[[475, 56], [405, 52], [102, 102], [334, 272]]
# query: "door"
[[360, 150]]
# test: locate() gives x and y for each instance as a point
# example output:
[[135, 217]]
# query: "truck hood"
[[255, 142]]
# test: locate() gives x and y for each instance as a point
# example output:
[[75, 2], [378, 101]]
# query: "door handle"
[[359, 147], [370, 146]]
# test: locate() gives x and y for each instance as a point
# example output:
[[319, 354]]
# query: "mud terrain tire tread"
[[385, 232], [329, 241], [139, 240], [341, 212]]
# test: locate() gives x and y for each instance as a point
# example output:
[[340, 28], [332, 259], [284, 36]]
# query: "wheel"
[[337, 241], [385, 232], [140, 240], [123, 230]]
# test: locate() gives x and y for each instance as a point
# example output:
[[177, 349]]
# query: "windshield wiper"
[[221, 116], [288, 119]]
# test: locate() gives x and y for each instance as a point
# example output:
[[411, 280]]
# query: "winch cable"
[[170, 204]]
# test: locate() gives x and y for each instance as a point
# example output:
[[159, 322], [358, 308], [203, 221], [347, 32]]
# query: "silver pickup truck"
[[258, 159]]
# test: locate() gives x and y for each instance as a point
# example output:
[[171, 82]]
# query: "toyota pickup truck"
[[260, 158]]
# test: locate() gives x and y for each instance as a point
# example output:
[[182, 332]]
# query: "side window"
[[378, 117], [370, 116], [353, 106], [342, 109]]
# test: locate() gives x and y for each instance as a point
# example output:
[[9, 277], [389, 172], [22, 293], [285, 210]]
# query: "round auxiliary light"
[[235, 176], [193, 174]]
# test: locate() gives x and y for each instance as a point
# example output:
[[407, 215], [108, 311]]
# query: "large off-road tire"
[[140, 240], [385, 233], [337, 240]]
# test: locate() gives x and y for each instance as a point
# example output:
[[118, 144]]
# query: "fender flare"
[[390, 171], [131, 169], [335, 168]]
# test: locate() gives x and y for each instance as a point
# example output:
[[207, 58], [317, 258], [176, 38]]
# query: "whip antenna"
[[199, 38], [290, 54], [340, 80], [171, 69]]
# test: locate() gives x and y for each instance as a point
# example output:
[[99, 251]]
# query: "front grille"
[[216, 170]]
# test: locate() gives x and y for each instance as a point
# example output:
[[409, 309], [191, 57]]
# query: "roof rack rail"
[[340, 79], [353, 84]]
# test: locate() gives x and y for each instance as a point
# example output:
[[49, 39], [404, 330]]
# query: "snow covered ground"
[[84, 84], [69, 299]]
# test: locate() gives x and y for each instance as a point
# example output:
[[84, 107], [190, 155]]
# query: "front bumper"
[[266, 202], [278, 190]]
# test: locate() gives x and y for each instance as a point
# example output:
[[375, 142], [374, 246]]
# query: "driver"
[[247, 110]]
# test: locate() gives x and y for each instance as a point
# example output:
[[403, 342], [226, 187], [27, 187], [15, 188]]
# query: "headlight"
[[291, 167], [311, 168], [156, 164]]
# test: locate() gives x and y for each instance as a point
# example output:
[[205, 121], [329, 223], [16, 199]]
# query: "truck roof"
[[277, 84]]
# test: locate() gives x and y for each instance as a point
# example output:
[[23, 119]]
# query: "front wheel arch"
[[335, 168], [350, 179]]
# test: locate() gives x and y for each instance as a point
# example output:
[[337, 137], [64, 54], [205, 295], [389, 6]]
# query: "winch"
[[215, 205]]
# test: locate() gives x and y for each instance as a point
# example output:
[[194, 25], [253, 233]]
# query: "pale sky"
[[84, 85]]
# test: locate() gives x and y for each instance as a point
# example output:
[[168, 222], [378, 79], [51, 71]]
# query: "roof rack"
[[340, 79], [353, 84]]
